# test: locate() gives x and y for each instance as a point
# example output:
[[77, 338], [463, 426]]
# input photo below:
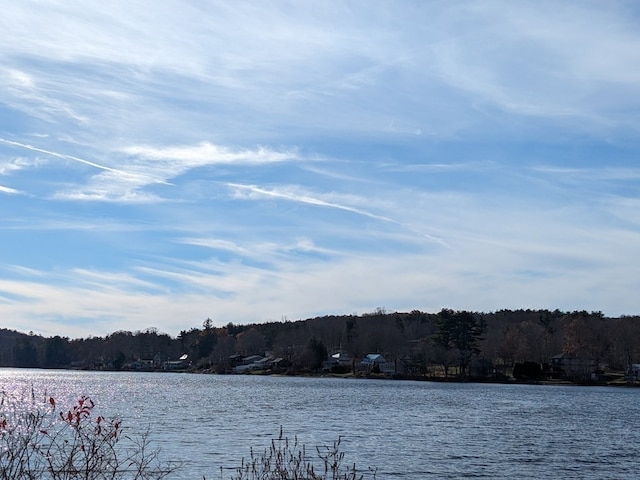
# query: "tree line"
[[453, 342]]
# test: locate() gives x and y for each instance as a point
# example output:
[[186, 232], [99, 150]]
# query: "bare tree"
[[38, 441]]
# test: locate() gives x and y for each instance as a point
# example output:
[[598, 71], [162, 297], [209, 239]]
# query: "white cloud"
[[9, 190], [541, 59], [363, 71], [17, 164], [216, 244], [491, 275], [206, 153], [261, 251], [157, 165], [26, 94], [146, 165], [110, 194], [395, 168]]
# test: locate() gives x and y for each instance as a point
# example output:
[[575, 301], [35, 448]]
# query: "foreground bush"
[[285, 460], [39, 441]]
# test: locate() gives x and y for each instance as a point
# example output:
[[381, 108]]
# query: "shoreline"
[[615, 383]]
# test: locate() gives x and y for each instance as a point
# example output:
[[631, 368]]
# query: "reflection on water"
[[405, 429]]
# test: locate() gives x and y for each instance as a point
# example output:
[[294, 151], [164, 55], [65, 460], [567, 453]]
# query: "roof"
[[373, 358]]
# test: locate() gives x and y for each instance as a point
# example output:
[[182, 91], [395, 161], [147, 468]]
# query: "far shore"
[[614, 379]]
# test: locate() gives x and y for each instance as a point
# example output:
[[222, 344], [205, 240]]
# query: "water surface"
[[406, 429]]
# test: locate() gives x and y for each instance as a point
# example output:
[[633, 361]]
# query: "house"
[[338, 358], [253, 362], [633, 373], [262, 363], [180, 364], [142, 364], [571, 365], [278, 363], [245, 363], [235, 359], [375, 361], [372, 359]]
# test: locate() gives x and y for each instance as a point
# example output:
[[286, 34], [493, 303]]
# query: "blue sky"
[[166, 162]]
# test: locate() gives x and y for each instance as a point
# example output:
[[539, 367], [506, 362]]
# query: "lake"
[[405, 429]]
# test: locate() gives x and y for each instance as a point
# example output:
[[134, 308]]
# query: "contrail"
[[77, 159], [309, 200], [61, 155], [323, 203]]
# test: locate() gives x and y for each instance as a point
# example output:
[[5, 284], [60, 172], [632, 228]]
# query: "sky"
[[166, 162]]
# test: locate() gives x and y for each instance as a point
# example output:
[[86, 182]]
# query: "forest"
[[450, 343]]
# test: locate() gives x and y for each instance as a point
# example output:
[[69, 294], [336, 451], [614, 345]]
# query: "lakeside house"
[[256, 362], [572, 365], [180, 364], [375, 361], [248, 363], [339, 358], [633, 372]]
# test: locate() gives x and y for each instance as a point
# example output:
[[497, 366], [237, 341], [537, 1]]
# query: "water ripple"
[[406, 429]]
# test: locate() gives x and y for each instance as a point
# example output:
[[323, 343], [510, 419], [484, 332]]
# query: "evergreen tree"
[[460, 331]]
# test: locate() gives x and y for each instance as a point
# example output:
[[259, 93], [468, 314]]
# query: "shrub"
[[38, 441], [340, 369], [285, 460], [527, 371]]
